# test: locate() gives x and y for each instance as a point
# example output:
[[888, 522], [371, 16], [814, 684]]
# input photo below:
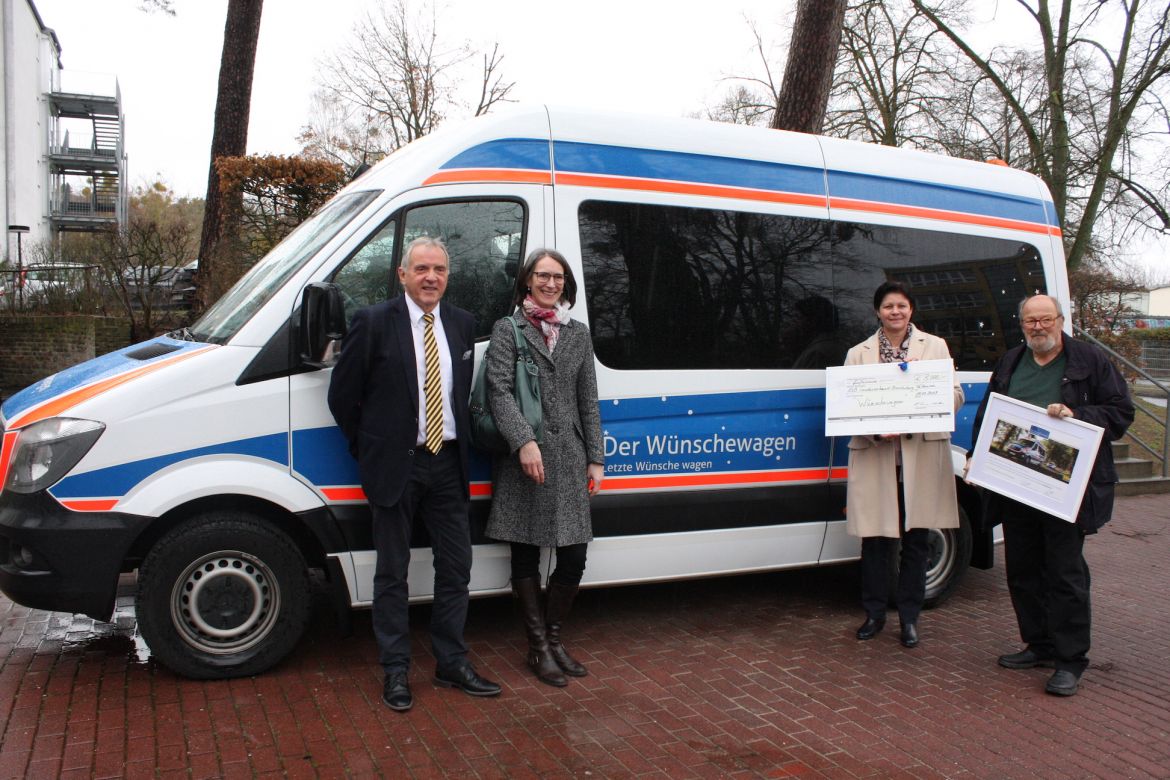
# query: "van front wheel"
[[225, 596]]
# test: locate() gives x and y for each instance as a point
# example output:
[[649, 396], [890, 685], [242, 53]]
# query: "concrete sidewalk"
[[754, 676]]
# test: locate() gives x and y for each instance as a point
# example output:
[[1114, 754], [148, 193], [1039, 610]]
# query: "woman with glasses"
[[541, 489], [900, 485]]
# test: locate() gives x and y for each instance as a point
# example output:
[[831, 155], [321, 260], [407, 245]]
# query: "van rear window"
[[681, 288]]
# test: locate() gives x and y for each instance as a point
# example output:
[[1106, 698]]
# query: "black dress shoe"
[[1062, 683], [870, 628], [1025, 659], [396, 692], [909, 636], [466, 680]]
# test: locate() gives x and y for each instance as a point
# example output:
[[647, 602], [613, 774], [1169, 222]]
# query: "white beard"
[[1042, 345]]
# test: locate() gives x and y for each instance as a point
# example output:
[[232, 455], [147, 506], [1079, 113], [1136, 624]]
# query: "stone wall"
[[35, 346]]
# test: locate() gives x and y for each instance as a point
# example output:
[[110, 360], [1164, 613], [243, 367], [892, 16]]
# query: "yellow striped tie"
[[433, 387]]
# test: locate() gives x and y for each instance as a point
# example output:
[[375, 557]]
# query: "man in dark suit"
[[399, 393]]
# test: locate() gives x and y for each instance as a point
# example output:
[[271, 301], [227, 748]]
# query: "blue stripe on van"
[[572, 157], [519, 153], [89, 372], [843, 184], [321, 455], [657, 164], [115, 481]]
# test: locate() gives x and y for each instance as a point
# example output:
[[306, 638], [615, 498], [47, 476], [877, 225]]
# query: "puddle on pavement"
[[130, 646]]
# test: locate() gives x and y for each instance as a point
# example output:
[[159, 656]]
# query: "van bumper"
[[56, 559]]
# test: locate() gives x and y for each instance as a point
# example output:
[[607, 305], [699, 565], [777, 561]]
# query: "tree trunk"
[[229, 139], [808, 75]]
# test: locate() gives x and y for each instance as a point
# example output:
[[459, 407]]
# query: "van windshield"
[[227, 315]]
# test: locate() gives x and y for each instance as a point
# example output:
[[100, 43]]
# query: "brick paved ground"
[[742, 677]]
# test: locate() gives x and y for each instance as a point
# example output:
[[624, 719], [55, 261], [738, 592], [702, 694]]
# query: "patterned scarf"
[[549, 321], [886, 350]]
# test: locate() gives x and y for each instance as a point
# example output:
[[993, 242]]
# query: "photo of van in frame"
[[1026, 455]]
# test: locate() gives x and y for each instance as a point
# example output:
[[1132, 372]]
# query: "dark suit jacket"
[[373, 393]]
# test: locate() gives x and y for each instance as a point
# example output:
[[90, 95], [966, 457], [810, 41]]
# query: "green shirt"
[[1035, 384]]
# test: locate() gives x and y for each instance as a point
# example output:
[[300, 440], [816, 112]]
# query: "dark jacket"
[[373, 393], [1097, 393]]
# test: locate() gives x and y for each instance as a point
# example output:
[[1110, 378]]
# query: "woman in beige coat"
[[900, 485]]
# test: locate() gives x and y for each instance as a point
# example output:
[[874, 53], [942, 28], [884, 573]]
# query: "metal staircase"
[[87, 176]]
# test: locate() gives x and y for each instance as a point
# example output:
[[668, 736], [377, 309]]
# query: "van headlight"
[[45, 451]]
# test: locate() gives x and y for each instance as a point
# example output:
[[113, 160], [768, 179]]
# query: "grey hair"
[[437, 243], [1055, 302]]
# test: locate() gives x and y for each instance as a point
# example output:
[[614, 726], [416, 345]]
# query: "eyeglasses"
[[543, 277], [1043, 322]]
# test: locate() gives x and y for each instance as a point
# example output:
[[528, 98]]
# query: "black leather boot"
[[560, 601], [540, 658]]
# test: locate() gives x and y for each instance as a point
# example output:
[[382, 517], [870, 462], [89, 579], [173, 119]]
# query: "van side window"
[[484, 239], [967, 288], [671, 287], [365, 278]]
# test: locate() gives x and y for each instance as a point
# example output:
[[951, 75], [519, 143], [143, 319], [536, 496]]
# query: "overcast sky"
[[653, 56], [662, 57]]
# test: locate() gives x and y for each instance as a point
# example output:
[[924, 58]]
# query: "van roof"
[[563, 146]]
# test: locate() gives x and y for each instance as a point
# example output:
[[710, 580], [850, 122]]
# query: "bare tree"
[[400, 80], [341, 133], [163, 6], [808, 75], [750, 100], [230, 136], [1100, 96], [888, 78]]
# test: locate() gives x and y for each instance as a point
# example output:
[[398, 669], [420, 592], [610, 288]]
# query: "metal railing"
[[1162, 457]]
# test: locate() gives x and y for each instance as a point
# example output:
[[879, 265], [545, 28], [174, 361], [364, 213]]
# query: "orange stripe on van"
[[478, 490], [6, 448], [948, 216], [61, 403], [489, 174], [484, 489], [90, 504], [687, 188], [710, 480], [344, 494]]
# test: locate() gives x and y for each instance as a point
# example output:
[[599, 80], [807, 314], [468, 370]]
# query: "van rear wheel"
[[946, 562], [225, 596]]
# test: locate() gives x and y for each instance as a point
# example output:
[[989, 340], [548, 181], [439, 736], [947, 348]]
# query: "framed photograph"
[[913, 397], [1030, 457]]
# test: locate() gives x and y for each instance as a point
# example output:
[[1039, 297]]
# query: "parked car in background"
[[183, 286], [49, 286], [164, 286]]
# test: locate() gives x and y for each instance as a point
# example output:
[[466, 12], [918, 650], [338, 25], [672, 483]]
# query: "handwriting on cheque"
[[869, 392]]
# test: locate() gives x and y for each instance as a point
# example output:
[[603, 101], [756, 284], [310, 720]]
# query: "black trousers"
[[1048, 579], [570, 563], [876, 554], [435, 494]]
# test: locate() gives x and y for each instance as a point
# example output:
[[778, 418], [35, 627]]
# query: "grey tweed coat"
[[556, 513]]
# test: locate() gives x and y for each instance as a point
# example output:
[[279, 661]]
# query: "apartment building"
[[62, 157]]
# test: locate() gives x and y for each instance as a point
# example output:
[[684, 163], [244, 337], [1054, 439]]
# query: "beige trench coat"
[[872, 500]]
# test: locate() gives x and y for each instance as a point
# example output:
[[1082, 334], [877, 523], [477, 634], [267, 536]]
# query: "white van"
[[721, 269]]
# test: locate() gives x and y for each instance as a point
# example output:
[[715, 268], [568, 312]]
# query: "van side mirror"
[[322, 324]]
